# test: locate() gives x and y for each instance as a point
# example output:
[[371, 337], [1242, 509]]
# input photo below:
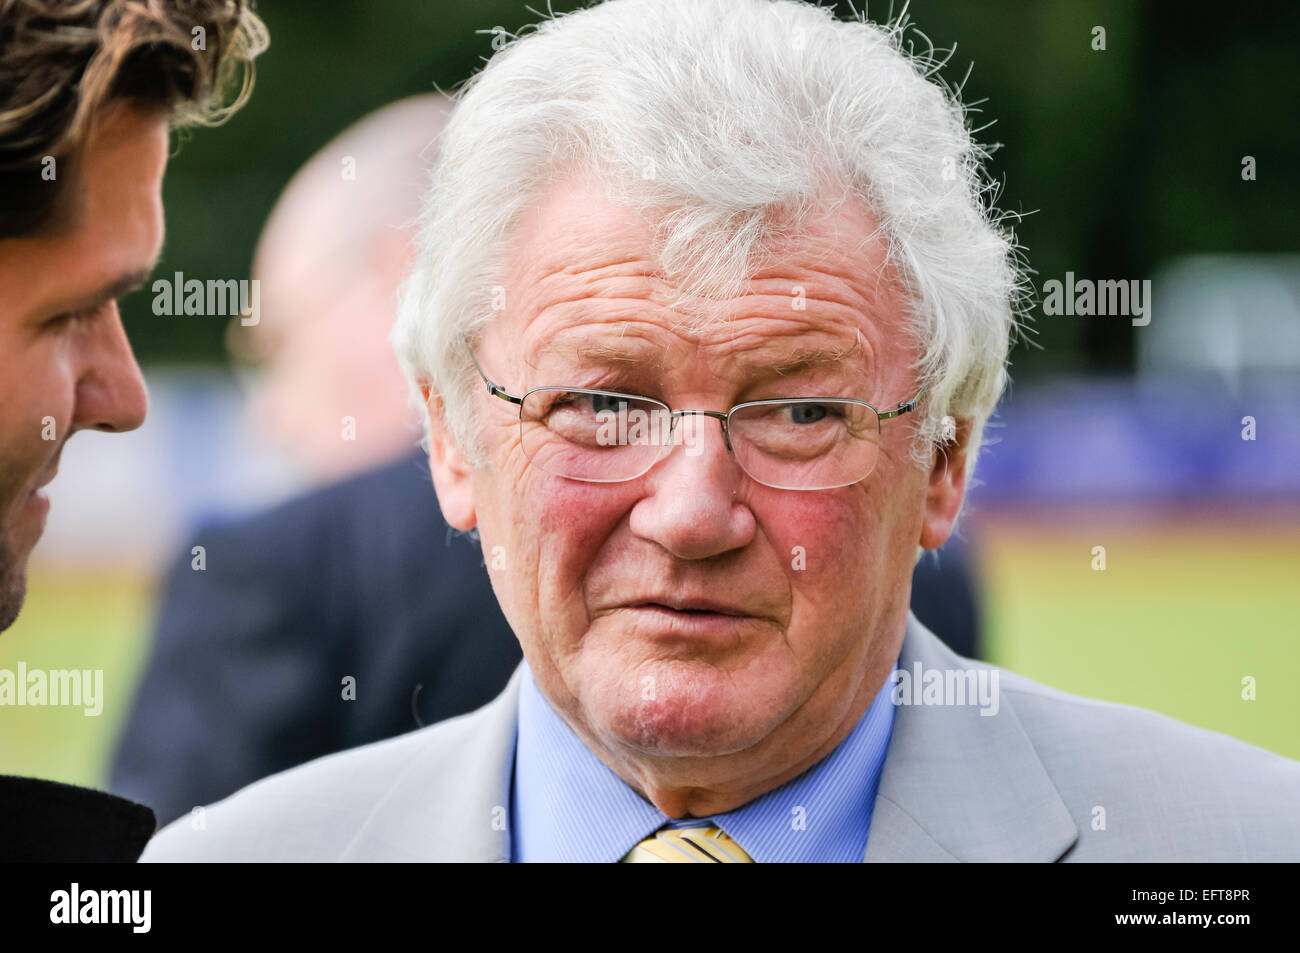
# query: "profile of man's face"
[[804, 578], [65, 363]]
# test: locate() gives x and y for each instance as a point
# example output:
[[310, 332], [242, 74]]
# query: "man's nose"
[[691, 508], [111, 394]]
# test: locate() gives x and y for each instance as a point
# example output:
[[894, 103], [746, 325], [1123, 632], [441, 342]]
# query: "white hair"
[[731, 117]]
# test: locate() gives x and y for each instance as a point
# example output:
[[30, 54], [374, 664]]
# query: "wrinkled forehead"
[[585, 287]]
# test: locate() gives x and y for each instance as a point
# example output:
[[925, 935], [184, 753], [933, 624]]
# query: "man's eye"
[[810, 413], [585, 403], [60, 321], [71, 317], [604, 402]]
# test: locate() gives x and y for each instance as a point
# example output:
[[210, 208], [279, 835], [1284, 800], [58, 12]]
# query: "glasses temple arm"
[[904, 406], [492, 388]]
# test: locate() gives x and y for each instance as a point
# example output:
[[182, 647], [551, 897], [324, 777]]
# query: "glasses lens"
[[807, 444], [596, 436]]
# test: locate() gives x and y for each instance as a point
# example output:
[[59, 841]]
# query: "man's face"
[[65, 364], [814, 586]]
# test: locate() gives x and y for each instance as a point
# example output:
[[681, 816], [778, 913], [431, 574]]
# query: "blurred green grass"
[[74, 620], [1180, 615]]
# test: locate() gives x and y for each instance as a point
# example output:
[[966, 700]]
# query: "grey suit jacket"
[[1049, 777]]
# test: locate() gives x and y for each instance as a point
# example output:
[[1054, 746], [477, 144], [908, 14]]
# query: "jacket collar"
[[959, 785], [452, 802]]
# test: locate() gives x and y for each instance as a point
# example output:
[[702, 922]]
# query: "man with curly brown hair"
[[88, 92]]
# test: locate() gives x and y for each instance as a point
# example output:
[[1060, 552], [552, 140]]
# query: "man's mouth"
[[691, 607], [692, 620], [38, 500]]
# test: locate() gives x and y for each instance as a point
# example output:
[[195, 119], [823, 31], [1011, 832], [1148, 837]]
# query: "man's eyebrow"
[[119, 287], [783, 362], [802, 359], [595, 352]]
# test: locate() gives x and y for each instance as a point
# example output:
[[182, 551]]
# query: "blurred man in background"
[[87, 94], [351, 613], [329, 258]]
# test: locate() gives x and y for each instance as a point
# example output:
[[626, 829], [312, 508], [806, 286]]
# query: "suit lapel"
[[452, 802], [958, 785]]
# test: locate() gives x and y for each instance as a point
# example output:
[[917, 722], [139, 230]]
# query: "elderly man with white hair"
[[708, 315]]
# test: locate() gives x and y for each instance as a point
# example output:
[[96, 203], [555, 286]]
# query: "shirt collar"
[[568, 806]]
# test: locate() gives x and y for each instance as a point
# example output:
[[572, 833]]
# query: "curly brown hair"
[[63, 61]]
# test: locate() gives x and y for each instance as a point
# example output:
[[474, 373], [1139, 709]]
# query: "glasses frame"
[[904, 406]]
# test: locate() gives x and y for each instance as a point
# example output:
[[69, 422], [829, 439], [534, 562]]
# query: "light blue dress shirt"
[[567, 806]]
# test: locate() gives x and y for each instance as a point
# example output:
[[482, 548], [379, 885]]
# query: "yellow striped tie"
[[688, 845]]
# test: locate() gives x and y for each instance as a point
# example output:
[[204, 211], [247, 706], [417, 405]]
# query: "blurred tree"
[[1123, 157]]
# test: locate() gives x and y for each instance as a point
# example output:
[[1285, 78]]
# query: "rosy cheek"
[[572, 522], [824, 543]]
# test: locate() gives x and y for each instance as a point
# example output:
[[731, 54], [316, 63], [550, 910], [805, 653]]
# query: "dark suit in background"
[[360, 579]]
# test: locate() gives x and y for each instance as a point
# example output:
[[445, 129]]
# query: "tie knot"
[[688, 845]]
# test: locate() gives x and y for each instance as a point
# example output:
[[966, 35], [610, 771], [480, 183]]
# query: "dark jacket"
[[61, 823]]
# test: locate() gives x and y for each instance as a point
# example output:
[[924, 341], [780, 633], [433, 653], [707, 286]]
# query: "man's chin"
[[16, 546], [687, 711], [13, 588]]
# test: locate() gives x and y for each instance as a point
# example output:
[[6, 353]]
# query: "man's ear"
[[452, 474], [947, 487]]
